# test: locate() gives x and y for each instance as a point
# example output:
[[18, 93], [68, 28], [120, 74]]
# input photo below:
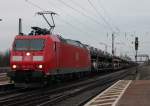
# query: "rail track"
[[3, 77], [3, 73], [4, 69], [46, 96]]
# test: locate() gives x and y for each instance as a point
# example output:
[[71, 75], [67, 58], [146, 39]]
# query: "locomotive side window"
[[29, 44]]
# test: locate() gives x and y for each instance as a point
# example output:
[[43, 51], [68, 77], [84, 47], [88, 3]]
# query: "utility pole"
[[113, 40]]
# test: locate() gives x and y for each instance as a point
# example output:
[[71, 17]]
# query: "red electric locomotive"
[[41, 55]]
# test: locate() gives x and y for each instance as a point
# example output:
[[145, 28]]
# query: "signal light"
[[136, 43], [40, 66], [14, 66]]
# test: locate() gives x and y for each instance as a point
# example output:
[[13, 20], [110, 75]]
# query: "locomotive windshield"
[[29, 44]]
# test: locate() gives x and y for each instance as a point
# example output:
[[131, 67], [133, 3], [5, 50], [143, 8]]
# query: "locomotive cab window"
[[29, 44]]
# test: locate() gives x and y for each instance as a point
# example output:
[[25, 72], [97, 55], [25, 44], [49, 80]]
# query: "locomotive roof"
[[72, 42], [54, 38], [31, 37]]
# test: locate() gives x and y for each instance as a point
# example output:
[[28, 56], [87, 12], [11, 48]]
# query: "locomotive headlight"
[[38, 58], [28, 54], [14, 66], [40, 66]]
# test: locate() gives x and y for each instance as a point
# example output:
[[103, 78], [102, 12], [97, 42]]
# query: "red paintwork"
[[64, 56]]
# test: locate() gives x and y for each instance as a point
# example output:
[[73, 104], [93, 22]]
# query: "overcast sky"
[[78, 20]]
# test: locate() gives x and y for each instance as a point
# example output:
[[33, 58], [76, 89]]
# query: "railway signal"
[[136, 43], [136, 47]]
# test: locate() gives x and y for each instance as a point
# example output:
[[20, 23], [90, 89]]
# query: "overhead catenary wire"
[[77, 20], [108, 16], [78, 11], [92, 5], [68, 23], [77, 4], [84, 9], [77, 28], [105, 21], [102, 7], [127, 44], [33, 4]]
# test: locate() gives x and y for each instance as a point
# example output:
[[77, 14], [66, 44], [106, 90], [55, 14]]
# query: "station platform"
[[124, 93]]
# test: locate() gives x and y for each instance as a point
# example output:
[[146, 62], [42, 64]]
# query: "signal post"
[[136, 50]]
